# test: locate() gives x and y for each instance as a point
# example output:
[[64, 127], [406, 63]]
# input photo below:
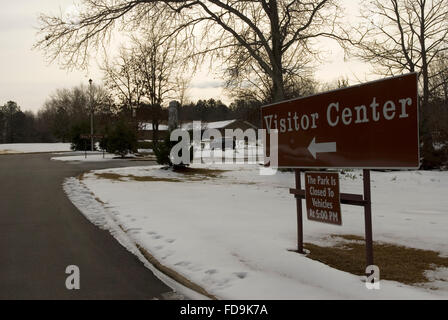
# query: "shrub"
[[121, 139], [144, 145], [76, 130], [162, 152]]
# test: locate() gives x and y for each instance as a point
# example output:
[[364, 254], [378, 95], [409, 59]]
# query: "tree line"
[[66, 115], [17, 126], [264, 49]]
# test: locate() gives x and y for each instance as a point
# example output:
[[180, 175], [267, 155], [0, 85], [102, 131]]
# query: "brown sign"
[[88, 136], [373, 125], [323, 197]]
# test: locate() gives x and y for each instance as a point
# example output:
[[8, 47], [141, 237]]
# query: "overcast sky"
[[29, 80]]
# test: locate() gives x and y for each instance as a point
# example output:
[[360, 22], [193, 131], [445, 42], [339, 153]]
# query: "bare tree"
[[148, 73], [158, 64], [438, 117], [270, 31], [248, 82], [247, 79], [68, 107], [399, 36], [339, 83], [122, 77], [181, 89], [438, 77], [402, 36]]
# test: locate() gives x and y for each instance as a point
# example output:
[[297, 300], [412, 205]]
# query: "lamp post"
[[91, 114]]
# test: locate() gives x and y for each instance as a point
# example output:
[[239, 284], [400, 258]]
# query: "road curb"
[[171, 273], [174, 274], [36, 152]]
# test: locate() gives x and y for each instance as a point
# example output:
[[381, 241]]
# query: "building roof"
[[147, 126], [209, 125]]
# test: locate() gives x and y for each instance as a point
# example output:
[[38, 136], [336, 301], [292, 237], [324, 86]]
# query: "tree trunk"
[[278, 86], [429, 160], [155, 132]]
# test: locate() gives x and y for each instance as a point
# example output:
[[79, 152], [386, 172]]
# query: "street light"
[[91, 114]]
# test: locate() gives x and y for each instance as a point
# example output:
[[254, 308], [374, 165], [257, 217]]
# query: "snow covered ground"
[[33, 147], [91, 157], [231, 234]]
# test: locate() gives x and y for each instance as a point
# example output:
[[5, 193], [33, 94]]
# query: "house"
[[146, 131]]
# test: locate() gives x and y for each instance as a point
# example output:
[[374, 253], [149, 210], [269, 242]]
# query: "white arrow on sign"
[[314, 147]]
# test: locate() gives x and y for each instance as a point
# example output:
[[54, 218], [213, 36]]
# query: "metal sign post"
[[368, 217], [345, 198], [85, 137], [299, 214]]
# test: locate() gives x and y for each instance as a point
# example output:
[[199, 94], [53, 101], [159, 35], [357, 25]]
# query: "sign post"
[[86, 137], [345, 198], [368, 126], [299, 214], [368, 217]]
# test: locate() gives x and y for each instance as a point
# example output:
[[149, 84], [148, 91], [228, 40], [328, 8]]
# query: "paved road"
[[41, 233]]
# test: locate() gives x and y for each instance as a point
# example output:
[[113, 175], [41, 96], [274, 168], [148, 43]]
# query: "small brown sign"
[[323, 197], [88, 136]]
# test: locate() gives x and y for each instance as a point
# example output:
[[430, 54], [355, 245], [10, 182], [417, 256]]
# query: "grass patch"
[[209, 173], [11, 152], [193, 174], [200, 174], [119, 177], [398, 263], [144, 145]]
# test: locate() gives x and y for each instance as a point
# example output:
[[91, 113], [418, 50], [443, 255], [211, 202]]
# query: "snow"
[[145, 151], [189, 125], [208, 125], [210, 153], [102, 217], [231, 235], [438, 146], [91, 157], [149, 127], [33, 147], [218, 124]]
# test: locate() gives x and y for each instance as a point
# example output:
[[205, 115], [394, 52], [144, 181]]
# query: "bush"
[[121, 139], [78, 144], [162, 152], [144, 145]]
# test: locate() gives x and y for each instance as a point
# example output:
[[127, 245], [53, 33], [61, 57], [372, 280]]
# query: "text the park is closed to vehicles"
[[322, 197]]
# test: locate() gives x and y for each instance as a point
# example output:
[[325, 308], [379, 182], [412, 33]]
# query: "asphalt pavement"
[[42, 232]]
